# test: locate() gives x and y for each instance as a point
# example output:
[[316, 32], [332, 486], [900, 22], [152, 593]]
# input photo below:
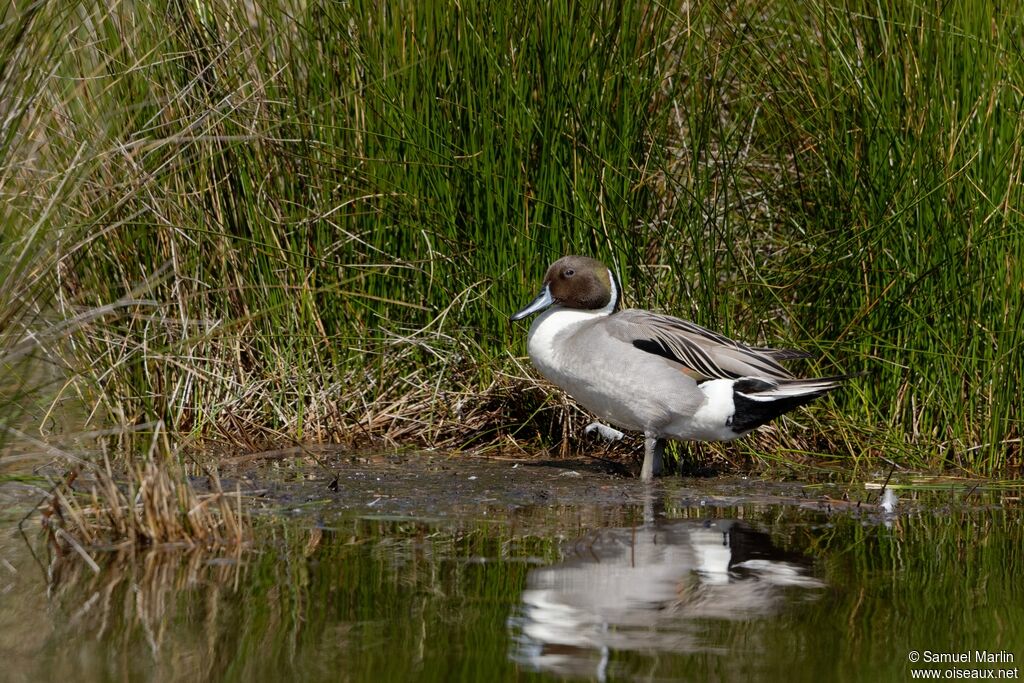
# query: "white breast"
[[561, 353], [548, 344]]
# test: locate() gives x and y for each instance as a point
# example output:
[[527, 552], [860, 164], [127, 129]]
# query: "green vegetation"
[[293, 221]]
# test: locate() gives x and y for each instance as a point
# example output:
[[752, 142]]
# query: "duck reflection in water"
[[650, 588]]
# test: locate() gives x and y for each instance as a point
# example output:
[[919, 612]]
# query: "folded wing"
[[702, 353]]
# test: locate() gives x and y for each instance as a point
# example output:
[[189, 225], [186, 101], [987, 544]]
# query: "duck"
[[647, 372]]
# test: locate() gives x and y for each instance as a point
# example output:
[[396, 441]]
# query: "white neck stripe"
[[614, 300]]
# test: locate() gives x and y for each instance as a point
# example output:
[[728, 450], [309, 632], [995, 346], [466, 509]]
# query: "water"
[[446, 569]]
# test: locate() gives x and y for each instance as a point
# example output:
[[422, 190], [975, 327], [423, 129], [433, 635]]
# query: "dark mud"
[[425, 484]]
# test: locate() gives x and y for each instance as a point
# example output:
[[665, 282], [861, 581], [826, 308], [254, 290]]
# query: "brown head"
[[578, 282]]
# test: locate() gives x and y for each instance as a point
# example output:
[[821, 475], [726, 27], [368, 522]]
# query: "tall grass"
[[27, 247], [910, 191], [319, 215], [50, 164]]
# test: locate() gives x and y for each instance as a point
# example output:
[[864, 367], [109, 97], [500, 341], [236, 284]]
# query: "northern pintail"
[[652, 373]]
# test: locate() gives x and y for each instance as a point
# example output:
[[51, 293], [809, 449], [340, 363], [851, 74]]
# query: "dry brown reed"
[[150, 503]]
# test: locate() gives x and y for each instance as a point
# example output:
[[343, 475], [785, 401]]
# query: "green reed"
[[31, 236], [316, 217]]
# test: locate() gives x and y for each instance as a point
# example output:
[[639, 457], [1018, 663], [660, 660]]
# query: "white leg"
[[654, 449]]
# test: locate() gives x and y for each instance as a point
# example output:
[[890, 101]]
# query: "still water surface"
[[443, 569]]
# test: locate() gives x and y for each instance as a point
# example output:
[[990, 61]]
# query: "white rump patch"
[[718, 407]]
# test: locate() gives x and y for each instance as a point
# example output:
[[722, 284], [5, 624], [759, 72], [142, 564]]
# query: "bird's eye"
[[569, 272]]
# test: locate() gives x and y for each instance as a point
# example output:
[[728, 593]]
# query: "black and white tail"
[[758, 401]]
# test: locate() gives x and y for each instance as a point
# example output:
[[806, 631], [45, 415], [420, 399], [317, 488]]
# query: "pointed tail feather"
[[771, 390], [759, 401]]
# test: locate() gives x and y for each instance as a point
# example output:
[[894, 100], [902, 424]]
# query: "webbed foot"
[[604, 431]]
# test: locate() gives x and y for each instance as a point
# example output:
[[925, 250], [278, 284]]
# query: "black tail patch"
[[751, 413]]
